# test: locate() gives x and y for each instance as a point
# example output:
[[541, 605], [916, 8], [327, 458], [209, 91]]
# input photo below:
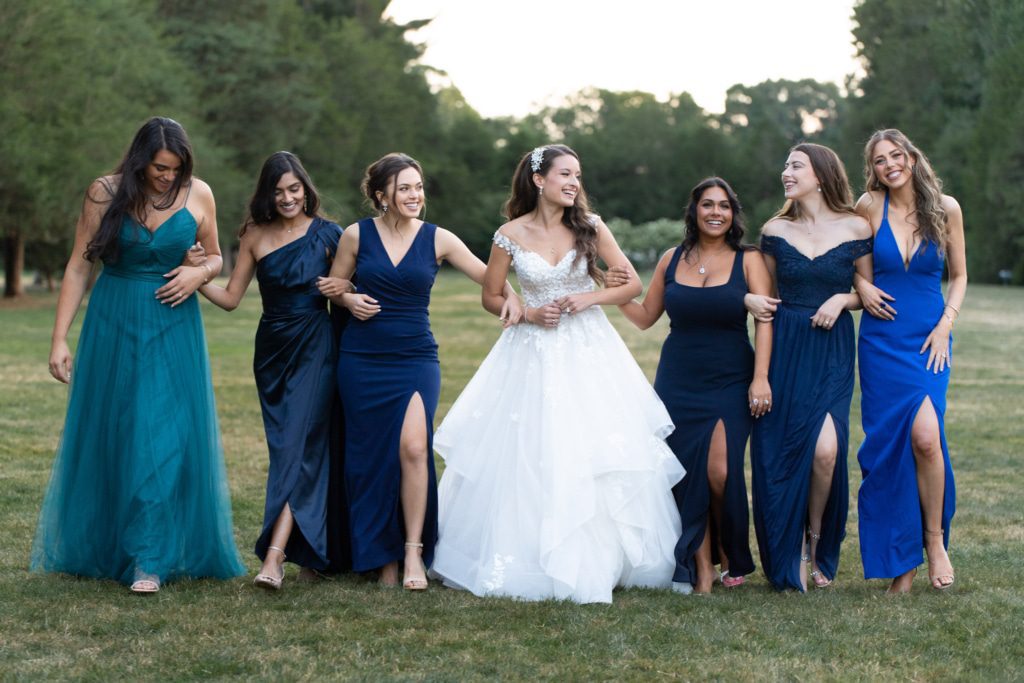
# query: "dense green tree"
[[77, 77]]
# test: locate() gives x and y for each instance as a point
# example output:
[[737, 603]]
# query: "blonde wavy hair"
[[930, 217]]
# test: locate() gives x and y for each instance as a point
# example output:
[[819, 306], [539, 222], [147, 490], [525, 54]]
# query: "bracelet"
[[209, 273], [950, 318], [954, 308]]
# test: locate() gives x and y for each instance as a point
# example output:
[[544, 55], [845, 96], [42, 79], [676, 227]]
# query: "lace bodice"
[[541, 282], [804, 281]]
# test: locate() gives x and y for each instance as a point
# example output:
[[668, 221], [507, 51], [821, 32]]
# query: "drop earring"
[[384, 208]]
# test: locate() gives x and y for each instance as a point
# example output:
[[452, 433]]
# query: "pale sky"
[[512, 57]]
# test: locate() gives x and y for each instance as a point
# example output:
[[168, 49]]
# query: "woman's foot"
[[415, 573], [940, 569], [731, 581], [705, 579], [144, 583], [388, 577], [271, 574], [819, 579], [902, 583]]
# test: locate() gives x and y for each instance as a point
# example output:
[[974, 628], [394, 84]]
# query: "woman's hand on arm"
[[646, 313], [229, 297], [184, 280], [343, 267], [759, 283], [608, 251]]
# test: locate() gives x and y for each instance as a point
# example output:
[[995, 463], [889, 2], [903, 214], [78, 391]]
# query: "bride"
[[550, 490]]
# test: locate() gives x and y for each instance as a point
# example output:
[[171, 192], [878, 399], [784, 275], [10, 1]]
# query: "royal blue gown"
[[894, 384], [294, 364], [811, 376], [138, 484], [384, 362], [704, 373]]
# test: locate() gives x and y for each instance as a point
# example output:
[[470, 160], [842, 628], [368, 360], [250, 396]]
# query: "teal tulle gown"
[[138, 483]]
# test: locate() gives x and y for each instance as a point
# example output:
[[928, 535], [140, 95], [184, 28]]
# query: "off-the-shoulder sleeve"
[[861, 247], [505, 243], [768, 244]]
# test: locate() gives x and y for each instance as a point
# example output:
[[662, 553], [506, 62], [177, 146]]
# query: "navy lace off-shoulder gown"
[[811, 375], [294, 364], [384, 362]]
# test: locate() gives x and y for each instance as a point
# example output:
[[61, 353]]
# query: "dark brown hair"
[[733, 236], [381, 172], [524, 196], [263, 204]]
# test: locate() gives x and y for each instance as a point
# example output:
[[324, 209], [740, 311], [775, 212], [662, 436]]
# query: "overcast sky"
[[510, 58]]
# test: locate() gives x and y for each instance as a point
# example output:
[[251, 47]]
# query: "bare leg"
[[413, 454], [931, 487], [273, 561], [825, 452], [716, 484]]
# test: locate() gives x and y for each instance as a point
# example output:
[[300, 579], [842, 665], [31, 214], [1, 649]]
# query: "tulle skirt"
[[557, 481], [138, 484]]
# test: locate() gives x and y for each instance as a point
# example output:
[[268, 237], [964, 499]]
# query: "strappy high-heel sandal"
[[267, 581], [940, 582], [815, 573], [414, 583]]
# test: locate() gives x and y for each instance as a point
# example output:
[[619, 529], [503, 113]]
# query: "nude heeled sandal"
[[267, 581]]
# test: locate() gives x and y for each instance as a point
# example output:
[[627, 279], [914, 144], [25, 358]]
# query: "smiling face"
[[798, 177], [561, 184], [891, 164], [289, 196], [161, 172], [714, 212], [404, 194]]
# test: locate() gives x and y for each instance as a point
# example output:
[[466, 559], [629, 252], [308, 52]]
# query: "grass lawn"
[[55, 626]]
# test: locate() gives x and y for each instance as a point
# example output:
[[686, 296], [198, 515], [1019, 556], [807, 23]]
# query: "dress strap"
[[670, 272], [885, 207], [737, 266]]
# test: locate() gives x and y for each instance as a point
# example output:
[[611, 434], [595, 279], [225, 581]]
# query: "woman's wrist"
[[209, 272]]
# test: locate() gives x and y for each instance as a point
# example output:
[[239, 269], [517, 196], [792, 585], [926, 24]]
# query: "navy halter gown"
[[384, 362], [894, 384], [705, 369], [811, 375]]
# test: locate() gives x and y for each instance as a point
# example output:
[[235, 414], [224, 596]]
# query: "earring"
[[384, 208], [819, 188]]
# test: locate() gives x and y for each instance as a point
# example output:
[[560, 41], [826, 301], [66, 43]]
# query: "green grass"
[[62, 627]]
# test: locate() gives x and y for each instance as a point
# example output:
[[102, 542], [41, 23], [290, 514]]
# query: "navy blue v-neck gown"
[[384, 362]]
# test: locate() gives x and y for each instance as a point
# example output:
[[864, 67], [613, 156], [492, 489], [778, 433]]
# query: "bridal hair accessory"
[[537, 158]]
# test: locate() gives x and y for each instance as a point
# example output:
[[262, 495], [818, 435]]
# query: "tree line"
[[340, 85]]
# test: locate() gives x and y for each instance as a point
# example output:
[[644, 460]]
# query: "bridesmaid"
[[812, 247], [710, 380], [287, 245], [907, 495], [388, 370], [138, 491]]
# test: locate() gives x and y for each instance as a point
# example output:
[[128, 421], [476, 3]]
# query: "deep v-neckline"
[[412, 243], [167, 220], [904, 261]]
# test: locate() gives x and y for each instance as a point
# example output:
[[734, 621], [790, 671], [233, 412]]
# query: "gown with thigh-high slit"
[[384, 363], [138, 487], [811, 376], [557, 481], [894, 385], [294, 365], [704, 373]]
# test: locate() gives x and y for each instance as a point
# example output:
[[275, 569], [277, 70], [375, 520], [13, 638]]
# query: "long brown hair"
[[523, 198], [263, 204], [832, 181], [928, 212]]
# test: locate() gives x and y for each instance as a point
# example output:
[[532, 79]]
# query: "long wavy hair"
[[263, 204], [129, 199], [524, 196], [930, 217], [733, 236], [831, 174], [381, 172]]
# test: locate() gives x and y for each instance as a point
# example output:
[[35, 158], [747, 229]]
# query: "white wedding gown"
[[557, 480]]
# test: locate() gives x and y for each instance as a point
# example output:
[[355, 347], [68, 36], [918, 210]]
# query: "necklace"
[[700, 261]]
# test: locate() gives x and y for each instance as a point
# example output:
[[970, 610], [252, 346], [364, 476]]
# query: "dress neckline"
[[814, 258]]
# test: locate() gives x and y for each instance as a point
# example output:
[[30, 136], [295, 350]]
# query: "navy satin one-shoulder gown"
[[294, 364], [384, 362]]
